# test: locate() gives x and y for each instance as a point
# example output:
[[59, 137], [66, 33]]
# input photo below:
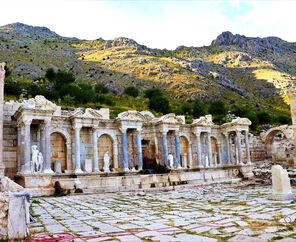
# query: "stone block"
[[57, 166], [281, 186], [88, 165]]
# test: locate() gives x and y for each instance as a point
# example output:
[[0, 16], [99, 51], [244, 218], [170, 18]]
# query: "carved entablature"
[[170, 118], [131, 115], [88, 113], [40, 103], [240, 124], [147, 115], [241, 121], [204, 121]]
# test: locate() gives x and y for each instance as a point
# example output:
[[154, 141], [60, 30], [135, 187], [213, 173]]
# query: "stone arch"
[[269, 137], [184, 151], [105, 144], [59, 150], [113, 135]]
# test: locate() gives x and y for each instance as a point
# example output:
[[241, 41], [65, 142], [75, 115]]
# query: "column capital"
[[139, 130], [27, 121], [123, 130], [77, 126], [47, 122]]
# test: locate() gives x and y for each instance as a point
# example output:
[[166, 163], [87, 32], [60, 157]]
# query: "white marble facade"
[[83, 136]]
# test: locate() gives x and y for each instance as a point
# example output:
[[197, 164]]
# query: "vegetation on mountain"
[[237, 74]]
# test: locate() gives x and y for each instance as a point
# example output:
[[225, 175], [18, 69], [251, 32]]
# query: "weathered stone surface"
[[281, 186]]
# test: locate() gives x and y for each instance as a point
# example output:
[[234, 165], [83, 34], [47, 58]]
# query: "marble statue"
[[37, 159], [171, 160], [206, 161], [106, 162]]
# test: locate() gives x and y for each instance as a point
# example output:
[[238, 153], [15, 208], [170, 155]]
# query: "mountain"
[[239, 70]]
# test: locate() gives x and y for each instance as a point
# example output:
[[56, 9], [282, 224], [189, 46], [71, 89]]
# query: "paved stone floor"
[[213, 213]]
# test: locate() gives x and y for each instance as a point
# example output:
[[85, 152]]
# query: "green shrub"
[[101, 88], [198, 109], [131, 91]]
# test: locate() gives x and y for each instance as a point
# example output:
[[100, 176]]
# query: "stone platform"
[[44, 184]]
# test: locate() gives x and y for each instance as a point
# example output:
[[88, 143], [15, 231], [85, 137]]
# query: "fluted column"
[[228, 148], [95, 151], [210, 152], [198, 145], [177, 147], [115, 153], [26, 146], [189, 155], [139, 149], [47, 150], [77, 129], [239, 147], [165, 151], [124, 140], [247, 147]]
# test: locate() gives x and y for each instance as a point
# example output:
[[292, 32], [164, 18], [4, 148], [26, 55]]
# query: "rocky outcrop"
[[254, 44]]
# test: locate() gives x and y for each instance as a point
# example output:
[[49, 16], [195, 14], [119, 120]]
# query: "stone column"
[[124, 140], [139, 150], [177, 147], [47, 150], [2, 75], [210, 154], [115, 153], [292, 97], [26, 144], [239, 147], [189, 155], [228, 148], [198, 145], [165, 151], [247, 147], [77, 129], [95, 151]]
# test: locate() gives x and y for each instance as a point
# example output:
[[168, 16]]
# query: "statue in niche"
[[37, 159], [206, 161], [106, 162], [171, 160]]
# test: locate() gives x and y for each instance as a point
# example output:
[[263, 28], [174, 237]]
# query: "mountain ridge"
[[233, 67]]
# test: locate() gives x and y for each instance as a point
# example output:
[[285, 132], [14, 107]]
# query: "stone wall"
[[10, 149], [14, 210], [257, 149], [3, 214]]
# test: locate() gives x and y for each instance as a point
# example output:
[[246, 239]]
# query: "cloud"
[[162, 24]]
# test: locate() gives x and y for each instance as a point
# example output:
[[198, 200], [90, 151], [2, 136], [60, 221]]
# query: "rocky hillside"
[[234, 68]]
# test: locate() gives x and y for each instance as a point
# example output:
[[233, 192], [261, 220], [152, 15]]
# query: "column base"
[[48, 171], [97, 170], [126, 170], [78, 171], [106, 170]]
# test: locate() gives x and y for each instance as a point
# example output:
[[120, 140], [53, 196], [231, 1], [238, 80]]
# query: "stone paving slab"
[[212, 213]]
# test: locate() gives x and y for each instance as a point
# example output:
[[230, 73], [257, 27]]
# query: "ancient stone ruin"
[[47, 144]]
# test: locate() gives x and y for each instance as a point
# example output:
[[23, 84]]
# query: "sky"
[[156, 23]]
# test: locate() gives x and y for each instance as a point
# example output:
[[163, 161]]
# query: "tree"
[[199, 109], [101, 88], [50, 74], [159, 104], [264, 117], [61, 78], [131, 91], [153, 92], [217, 108]]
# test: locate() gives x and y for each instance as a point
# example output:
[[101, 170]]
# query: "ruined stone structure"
[[292, 97], [75, 142], [2, 74]]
